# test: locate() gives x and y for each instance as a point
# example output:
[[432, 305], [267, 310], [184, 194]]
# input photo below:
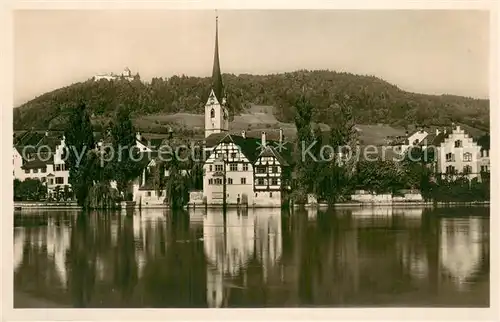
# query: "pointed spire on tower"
[[217, 86]]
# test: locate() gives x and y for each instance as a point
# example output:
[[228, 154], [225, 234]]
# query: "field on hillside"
[[254, 120]]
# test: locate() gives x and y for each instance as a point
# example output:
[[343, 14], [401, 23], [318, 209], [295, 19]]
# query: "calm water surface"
[[255, 258]]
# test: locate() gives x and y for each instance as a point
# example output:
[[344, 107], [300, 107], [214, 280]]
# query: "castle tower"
[[216, 113]]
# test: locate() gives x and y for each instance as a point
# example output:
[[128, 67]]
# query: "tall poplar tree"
[[123, 134], [79, 142]]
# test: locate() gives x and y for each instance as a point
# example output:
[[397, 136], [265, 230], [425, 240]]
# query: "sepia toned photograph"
[[251, 159]]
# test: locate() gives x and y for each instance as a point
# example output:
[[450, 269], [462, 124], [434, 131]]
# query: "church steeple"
[[217, 86], [216, 114]]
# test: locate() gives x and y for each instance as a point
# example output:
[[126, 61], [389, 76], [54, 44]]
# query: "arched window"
[[212, 113], [467, 157]]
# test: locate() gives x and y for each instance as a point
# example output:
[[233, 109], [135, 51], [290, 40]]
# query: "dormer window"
[[212, 113]]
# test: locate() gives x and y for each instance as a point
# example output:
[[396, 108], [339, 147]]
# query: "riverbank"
[[73, 205], [22, 205]]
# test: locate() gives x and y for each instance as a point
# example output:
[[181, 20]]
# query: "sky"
[[434, 52]]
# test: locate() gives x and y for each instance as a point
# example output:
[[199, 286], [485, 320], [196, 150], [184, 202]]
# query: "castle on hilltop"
[[126, 74]]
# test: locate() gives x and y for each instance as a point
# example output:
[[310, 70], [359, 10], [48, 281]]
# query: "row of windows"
[[467, 157], [264, 182], [224, 155], [451, 169], [259, 182], [160, 193], [264, 169], [58, 180], [484, 168], [232, 167], [57, 167], [42, 170], [218, 181]]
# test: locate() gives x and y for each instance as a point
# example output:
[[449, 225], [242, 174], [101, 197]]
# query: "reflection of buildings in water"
[[147, 227], [196, 217], [312, 213], [55, 238], [388, 211], [382, 217], [460, 247], [139, 243], [414, 260], [229, 250], [58, 242], [372, 211], [19, 237], [268, 237]]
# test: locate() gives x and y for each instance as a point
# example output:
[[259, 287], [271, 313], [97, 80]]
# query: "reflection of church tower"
[[228, 248], [216, 113]]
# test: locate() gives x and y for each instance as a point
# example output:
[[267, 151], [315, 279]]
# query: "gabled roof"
[[30, 138], [270, 151], [37, 163], [251, 147], [50, 141]]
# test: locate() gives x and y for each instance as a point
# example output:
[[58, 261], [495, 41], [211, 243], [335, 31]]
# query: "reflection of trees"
[[82, 261], [176, 278], [125, 264]]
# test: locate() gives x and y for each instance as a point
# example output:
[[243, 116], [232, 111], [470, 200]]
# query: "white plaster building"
[[459, 154], [240, 169], [40, 156], [411, 140]]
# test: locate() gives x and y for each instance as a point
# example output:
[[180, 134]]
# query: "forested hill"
[[372, 99]]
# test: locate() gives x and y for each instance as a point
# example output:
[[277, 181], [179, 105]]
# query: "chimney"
[[263, 139], [281, 136], [138, 136], [244, 134], [437, 131], [46, 133]]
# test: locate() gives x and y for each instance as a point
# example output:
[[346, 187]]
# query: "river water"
[[363, 257]]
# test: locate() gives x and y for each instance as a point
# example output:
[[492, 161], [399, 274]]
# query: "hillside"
[[177, 100]]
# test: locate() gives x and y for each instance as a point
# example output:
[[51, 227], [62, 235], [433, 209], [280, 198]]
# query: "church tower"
[[216, 113]]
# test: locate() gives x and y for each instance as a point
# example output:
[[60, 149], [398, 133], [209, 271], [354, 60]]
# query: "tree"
[[306, 137], [379, 176], [67, 193], [29, 190], [177, 186], [57, 193], [79, 142], [125, 166], [336, 179]]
